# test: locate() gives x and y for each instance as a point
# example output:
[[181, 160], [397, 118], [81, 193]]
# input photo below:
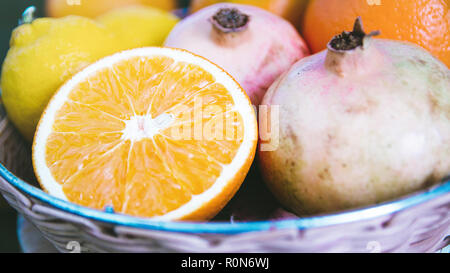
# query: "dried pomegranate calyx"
[[351, 40], [230, 20], [350, 53]]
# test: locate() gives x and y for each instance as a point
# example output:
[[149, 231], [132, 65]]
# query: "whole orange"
[[94, 8], [423, 22], [292, 10]]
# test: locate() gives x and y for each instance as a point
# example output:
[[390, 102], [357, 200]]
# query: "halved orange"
[[150, 132]]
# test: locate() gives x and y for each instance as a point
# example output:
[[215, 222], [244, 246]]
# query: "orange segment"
[[150, 132], [100, 182], [79, 118], [148, 181], [67, 153]]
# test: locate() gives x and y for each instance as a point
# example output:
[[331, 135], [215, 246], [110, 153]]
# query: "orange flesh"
[[100, 160]]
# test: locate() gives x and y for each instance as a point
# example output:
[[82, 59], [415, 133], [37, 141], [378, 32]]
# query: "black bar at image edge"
[[239, 262]]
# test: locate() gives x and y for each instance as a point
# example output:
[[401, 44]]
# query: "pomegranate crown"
[[229, 20], [347, 40]]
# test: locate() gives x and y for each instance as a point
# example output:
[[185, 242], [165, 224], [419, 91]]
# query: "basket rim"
[[344, 217]]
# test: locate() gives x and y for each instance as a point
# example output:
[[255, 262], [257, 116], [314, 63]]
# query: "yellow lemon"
[[42, 56], [139, 26], [94, 8]]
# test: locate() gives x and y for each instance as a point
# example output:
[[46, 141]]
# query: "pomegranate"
[[252, 44], [365, 121]]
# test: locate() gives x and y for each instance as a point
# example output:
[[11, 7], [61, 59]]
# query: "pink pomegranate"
[[253, 45], [365, 121]]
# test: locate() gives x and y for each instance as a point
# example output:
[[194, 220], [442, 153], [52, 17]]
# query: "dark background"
[[10, 11]]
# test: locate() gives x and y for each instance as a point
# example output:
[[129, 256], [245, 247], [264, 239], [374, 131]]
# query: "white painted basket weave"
[[419, 223]]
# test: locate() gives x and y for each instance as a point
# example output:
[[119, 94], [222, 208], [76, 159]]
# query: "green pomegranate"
[[365, 121]]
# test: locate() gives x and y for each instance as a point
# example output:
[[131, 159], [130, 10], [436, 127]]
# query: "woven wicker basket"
[[418, 223]]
